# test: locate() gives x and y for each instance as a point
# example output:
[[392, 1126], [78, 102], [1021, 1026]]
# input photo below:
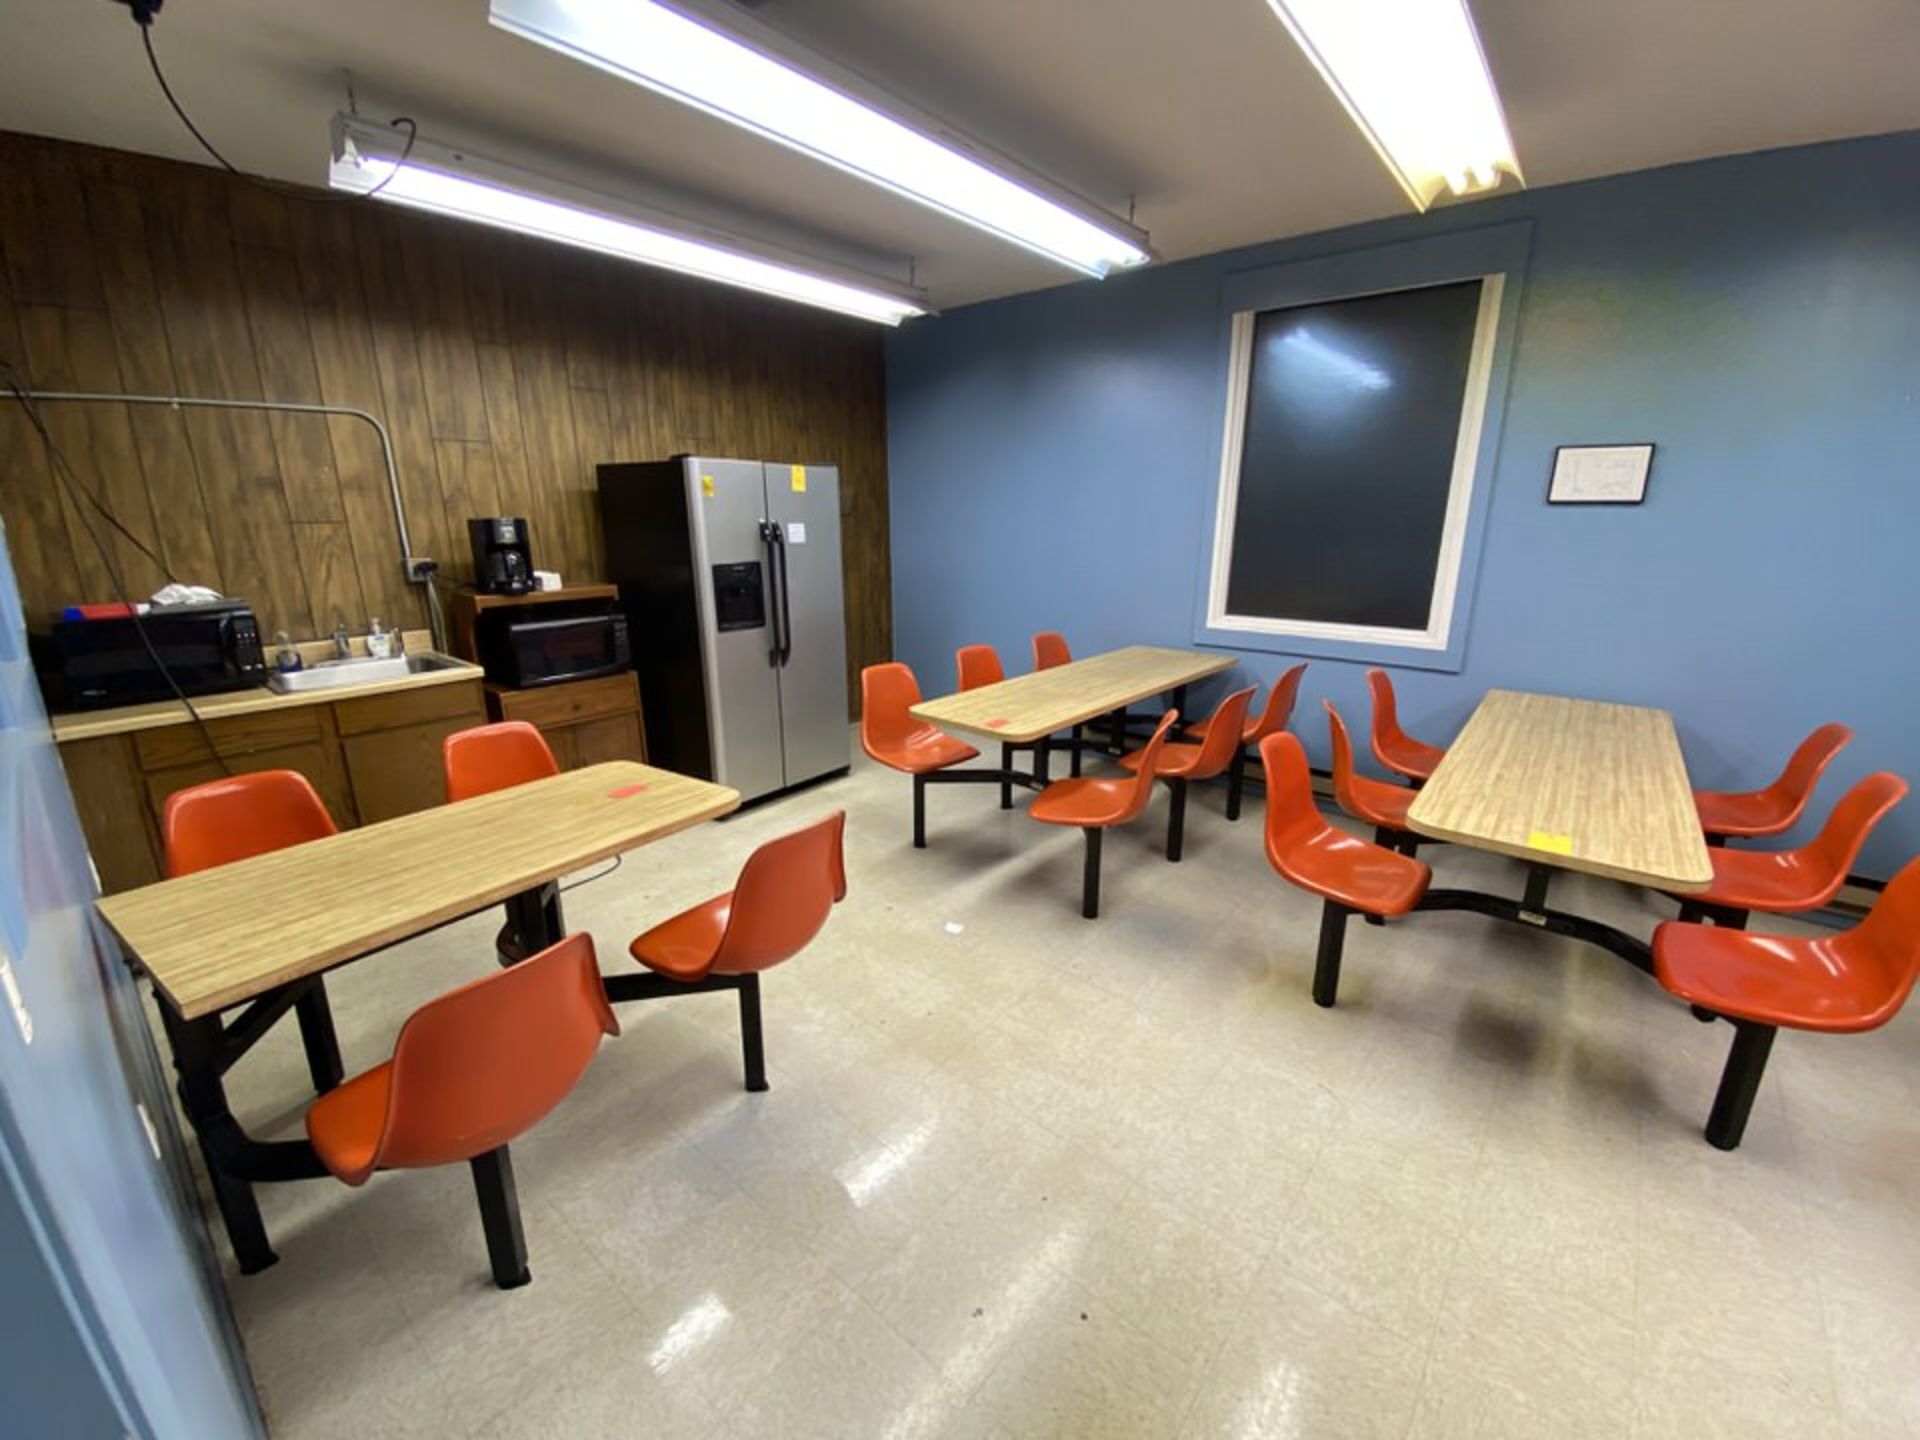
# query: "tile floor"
[[1022, 1175]]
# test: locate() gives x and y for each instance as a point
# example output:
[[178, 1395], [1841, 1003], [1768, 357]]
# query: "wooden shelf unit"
[[465, 605], [584, 722]]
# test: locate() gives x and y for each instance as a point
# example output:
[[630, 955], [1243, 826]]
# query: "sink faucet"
[[342, 646]]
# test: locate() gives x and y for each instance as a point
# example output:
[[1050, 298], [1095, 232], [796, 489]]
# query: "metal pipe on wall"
[[294, 407]]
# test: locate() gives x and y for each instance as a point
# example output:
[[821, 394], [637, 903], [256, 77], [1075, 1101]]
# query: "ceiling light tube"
[[715, 70], [1413, 77], [444, 181]]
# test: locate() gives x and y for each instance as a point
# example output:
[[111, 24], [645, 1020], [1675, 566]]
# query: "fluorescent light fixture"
[[366, 160], [675, 54], [1412, 76]]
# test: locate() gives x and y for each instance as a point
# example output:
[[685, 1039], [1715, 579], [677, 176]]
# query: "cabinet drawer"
[[459, 700], [572, 702], [236, 737]]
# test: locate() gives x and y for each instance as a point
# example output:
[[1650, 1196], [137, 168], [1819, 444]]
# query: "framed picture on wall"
[[1600, 474]]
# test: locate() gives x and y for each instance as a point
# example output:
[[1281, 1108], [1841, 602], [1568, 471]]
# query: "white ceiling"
[[1201, 111]]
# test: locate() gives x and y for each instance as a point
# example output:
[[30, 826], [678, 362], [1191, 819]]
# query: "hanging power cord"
[[597, 875], [84, 499], [144, 12]]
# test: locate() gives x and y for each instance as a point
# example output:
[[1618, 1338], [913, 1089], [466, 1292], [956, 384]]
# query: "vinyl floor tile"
[[1038, 1177]]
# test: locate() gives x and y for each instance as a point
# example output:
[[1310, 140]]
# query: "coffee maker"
[[502, 558]]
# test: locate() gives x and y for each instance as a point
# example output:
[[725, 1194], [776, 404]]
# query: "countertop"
[[92, 724]]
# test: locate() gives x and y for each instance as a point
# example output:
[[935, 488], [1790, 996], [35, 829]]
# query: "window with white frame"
[[1353, 430]]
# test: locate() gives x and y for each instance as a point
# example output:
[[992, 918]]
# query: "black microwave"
[[521, 653], [205, 648]]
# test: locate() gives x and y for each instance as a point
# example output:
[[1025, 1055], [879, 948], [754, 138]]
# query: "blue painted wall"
[[1053, 458]]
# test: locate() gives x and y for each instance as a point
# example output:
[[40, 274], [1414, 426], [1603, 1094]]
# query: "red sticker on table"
[[997, 724], [625, 790]]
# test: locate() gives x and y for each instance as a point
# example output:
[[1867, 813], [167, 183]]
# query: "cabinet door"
[[396, 772], [301, 738], [318, 761], [119, 826], [615, 738], [560, 741]]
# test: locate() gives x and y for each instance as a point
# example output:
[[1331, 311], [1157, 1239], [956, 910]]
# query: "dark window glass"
[[1353, 414]]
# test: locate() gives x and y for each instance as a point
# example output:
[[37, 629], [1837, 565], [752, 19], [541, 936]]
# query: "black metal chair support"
[[1326, 964], [954, 777], [534, 921], [1698, 912], [1236, 782], [1090, 884], [1739, 1083], [646, 985], [1635, 952], [317, 1036], [1176, 817], [500, 1218], [1539, 877]]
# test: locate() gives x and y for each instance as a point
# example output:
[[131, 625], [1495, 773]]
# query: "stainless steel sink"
[[362, 670]]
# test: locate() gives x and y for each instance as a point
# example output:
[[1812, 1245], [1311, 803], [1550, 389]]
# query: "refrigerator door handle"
[[784, 628], [776, 598]]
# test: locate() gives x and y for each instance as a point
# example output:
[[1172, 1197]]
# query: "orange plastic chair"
[[1050, 650], [1181, 763], [493, 757], [1841, 984], [1096, 805], [240, 816], [1784, 881], [977, 665], [1374, 802], [471, 1071], [889, 734], [1350, 875], [784, 894], [1392, 746], [1775, 809], [236, 818], [1271, 720]]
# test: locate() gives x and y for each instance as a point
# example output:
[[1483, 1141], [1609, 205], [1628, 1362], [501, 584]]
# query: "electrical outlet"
[[421, 570]]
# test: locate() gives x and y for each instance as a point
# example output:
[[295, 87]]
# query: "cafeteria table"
[[256, 933], [1566, 784], [1031, 709]]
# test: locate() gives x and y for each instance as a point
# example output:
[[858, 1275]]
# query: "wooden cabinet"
[[369, 759], [583, 721], [392, 744]]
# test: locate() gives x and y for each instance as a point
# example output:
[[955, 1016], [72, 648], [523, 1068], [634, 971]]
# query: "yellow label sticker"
[[706, 486], [799, 473], [1546, 840]]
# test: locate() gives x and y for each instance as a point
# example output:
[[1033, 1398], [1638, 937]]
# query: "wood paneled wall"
[[505, 370]]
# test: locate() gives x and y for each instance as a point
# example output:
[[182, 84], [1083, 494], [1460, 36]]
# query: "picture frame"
[[1600, 474]]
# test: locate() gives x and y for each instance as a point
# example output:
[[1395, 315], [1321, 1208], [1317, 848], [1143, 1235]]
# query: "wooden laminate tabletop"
[[1580, 784], [224, 936], [1047, 701]]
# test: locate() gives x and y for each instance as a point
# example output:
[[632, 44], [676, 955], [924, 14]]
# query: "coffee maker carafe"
[[502, 558]]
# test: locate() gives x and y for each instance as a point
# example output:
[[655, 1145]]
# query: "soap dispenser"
[[379, 642], [286, 655]]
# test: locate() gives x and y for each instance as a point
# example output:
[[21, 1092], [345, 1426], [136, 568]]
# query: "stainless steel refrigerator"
[[729, 573]]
